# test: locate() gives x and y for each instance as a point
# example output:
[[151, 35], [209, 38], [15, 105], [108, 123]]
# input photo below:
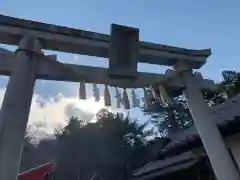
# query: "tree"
[[226, 89], [29, 154], [231, 83], [111, 146], [169, 116], [216, 97]]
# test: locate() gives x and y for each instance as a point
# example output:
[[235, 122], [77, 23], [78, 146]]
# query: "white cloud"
[[55, 113], [54, 110]]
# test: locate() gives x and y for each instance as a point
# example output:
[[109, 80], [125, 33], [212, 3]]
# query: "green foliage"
[[216, 97], [112, 146], [166, 116], [169, 116], [231, 83], [115, 144]]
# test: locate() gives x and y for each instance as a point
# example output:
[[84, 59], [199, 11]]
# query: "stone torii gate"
[[124, 51]]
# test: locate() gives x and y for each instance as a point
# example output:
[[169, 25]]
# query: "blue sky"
[[186, 23], [190, 24]]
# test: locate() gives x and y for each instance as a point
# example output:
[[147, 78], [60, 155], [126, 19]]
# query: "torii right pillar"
[[212, 140]]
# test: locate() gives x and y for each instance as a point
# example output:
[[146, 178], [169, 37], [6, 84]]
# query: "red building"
[[36, 173]]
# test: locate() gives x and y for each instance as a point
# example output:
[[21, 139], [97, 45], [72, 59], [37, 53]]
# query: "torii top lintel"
[[64, 39]]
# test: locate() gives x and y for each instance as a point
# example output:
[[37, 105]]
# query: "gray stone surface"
[[221, 114], [123, 53], [15, 110], [71, 40]]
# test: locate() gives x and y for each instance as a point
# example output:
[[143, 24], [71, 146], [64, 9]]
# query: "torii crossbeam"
[[124, 51]]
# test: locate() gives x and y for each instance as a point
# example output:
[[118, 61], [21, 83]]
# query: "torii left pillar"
[[16, 107]]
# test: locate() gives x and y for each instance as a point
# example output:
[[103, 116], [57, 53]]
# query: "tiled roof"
[[161, 167], [222, 114], [168, 170], [155, 165]]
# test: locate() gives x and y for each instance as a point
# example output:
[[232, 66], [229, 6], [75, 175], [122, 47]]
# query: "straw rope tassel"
[[163, 93], [151, 94], [159, 98], [145, 97], [135, 100], [96, 93], [107, 97], [126, 103], [82, 90], [118, 97]]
